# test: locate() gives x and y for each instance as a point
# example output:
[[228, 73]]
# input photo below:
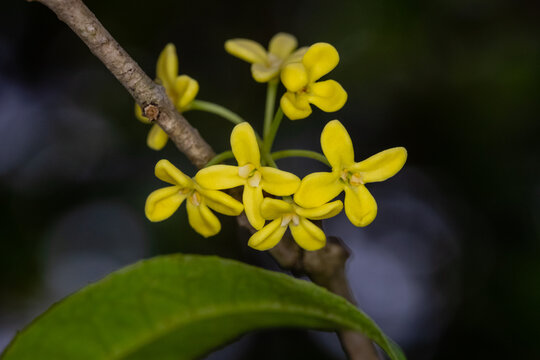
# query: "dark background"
[[450, 268]]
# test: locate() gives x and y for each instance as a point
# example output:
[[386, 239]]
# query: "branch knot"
[[151, 112]]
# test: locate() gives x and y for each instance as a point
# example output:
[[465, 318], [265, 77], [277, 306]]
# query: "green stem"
[[269, 138], [219, 158], [215, 109], [269, 160], [300, 153], [270, 102]]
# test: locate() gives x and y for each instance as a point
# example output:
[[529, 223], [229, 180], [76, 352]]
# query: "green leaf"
[[182, 307]]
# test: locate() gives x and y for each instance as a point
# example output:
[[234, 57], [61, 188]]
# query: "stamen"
[[295, 220], [286, 219], [195, 198], [255, 179], [344, 175], [244, 171], [356, 180]]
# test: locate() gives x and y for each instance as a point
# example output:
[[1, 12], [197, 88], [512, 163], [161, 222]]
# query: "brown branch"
[[325, 267]]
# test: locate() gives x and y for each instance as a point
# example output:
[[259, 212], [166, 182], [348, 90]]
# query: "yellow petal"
[[186, 88], [157, 138], [360, 206], [218, 177], [319, 60], [162, 203], [294, 77], [295, 57], [253, 198], [167, 172], [139, 115], [262, 72], [337, 145], [167, 66], [295, 106], [247, 50], [327, 95], [317, 189], [244, 145], [321, 212], [221, 202], [279, 182], [308, 235], [282, 45], [274, 208], [268, 236], [202, 220], [381, 166]]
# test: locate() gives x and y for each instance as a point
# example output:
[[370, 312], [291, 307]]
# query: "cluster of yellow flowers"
[[300, 201]]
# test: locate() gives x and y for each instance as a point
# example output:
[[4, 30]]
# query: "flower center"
[[353, 179], [251, 174], [195, 198], [286, 219]]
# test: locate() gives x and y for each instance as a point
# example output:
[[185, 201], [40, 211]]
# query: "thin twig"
[[325, 267]]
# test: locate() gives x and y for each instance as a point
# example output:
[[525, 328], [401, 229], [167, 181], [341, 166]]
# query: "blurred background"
[[451, 266]]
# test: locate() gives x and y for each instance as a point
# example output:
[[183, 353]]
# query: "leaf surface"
[[182, 307]]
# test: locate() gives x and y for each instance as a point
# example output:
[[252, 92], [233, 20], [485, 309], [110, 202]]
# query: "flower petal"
[[321, 212], [319, 60], [253, 198], [244, 145], [317, 189], [294, 77], [279, 182], [264, 73], [337, 146], [247, 50], [268, 236], [167, 65], [218, 177], [282, 45], [274, 208], [139, 115], [221, 202], [327, 95], [167, 172], [295, 57], [308, 235], [162, 203], [157, 138], [202, 220], [381, 166], [186, 88], [295, 106], [360, 206]]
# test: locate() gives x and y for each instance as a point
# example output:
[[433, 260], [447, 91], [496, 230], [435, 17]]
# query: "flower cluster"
[[274, 200]]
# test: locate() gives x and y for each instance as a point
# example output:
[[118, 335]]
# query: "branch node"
[[151, 112]]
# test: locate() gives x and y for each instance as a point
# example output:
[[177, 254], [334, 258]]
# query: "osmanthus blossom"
[[249, 173], [162, 203], [286, 214], [181, 89], [318, 188], [300, 79], [266, 65]]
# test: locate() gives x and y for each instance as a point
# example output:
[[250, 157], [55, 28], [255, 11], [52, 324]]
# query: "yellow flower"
[[249, 173], [266, 64], [286, 214], [300, 79], [349, 176], [180, 89], [162, 203]]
